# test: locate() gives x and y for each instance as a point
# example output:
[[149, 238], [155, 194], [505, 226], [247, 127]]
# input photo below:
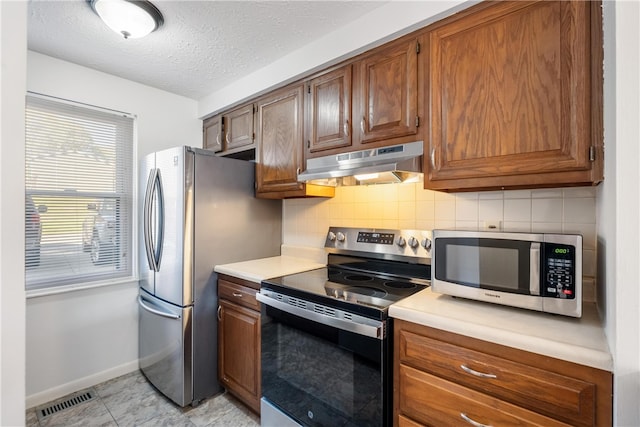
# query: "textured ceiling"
[[202, 46]]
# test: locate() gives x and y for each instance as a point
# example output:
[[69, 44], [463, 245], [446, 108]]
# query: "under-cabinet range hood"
[[394, 164]]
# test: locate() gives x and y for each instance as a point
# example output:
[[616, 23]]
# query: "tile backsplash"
[[409, 206]]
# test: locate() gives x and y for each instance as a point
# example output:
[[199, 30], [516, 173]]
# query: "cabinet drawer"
[[241, 295], [536, 389], [433, 401], [407, 422]]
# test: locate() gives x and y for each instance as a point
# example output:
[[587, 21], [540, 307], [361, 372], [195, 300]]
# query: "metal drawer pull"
[[473, 423], [236, 294], [476, 373]]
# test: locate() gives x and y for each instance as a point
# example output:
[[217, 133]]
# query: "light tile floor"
[[130, 400]]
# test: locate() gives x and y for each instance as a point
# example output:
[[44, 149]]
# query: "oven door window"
[[320, 375], [494, 264]]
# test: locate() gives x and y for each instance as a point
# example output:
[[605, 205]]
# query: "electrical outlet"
[[492, 225]]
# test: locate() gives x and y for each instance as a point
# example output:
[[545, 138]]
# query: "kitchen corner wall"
[[409, 206]]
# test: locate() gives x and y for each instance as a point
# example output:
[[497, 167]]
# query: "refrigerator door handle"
[[146, 219], [155, 311], [159, 239]]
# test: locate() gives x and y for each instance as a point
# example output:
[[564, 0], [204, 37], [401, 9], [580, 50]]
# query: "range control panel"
[[559, 271], [408, 245]]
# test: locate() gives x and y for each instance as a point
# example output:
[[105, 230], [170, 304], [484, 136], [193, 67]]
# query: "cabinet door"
[[328, 123], [510, 96], [387, 93], [212, 134], [280, 137], [238, 127], [239, 352]]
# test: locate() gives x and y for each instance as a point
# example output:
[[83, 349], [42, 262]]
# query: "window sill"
[[35, 293]]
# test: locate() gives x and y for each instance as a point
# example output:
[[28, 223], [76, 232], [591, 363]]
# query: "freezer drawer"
[[165, 347]]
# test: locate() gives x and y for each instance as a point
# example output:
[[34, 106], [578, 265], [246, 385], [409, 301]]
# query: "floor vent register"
[[66, 403]]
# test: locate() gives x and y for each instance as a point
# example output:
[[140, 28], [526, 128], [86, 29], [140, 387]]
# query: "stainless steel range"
[[326, 335]]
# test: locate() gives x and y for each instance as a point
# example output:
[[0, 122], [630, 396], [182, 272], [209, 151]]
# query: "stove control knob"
[[426, 243], [401, 241], [331, 236], [340, 237], [413, 242]]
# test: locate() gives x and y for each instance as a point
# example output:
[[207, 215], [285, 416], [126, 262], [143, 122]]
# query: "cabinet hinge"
[[417, 47], [308, 143], [592, 153], [253, 135], [417, 121], [309, 89]]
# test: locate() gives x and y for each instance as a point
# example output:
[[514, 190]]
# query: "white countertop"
[[579, 341], [265, 268]]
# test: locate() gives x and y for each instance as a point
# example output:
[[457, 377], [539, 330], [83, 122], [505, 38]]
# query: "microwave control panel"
[[559, 268]]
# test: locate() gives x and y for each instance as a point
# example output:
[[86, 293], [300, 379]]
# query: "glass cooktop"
[[343, 287]]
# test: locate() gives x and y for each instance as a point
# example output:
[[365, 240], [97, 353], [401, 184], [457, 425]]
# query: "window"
[[79, 193]]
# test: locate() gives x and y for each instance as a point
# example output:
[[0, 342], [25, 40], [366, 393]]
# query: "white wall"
[[618, 205], [80, 338], [13, 36], [382, 24]]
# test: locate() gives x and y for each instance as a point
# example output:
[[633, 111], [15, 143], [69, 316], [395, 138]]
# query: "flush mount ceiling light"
[[129, 18]]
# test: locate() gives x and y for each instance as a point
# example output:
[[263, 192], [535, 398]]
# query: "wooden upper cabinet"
[[239, 127], [386, 109], [280, 146], [280, 137], [212, 134], [515, 96], [328, 109]]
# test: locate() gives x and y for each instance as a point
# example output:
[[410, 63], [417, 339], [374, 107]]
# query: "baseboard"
[[79, 384]]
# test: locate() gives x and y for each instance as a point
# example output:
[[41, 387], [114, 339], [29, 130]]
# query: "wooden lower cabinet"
[[441, 378], [239, 340]]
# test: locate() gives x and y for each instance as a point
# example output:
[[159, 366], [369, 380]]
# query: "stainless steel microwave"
[[534, 271]]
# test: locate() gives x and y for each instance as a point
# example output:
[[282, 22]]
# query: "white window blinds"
[[79, 193]]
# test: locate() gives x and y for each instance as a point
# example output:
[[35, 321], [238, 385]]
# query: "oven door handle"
[[375, 330]]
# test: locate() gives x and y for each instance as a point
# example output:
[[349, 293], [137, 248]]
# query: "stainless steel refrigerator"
[[197, 211]]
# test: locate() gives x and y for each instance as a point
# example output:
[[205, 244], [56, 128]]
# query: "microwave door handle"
[[534, 268]]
